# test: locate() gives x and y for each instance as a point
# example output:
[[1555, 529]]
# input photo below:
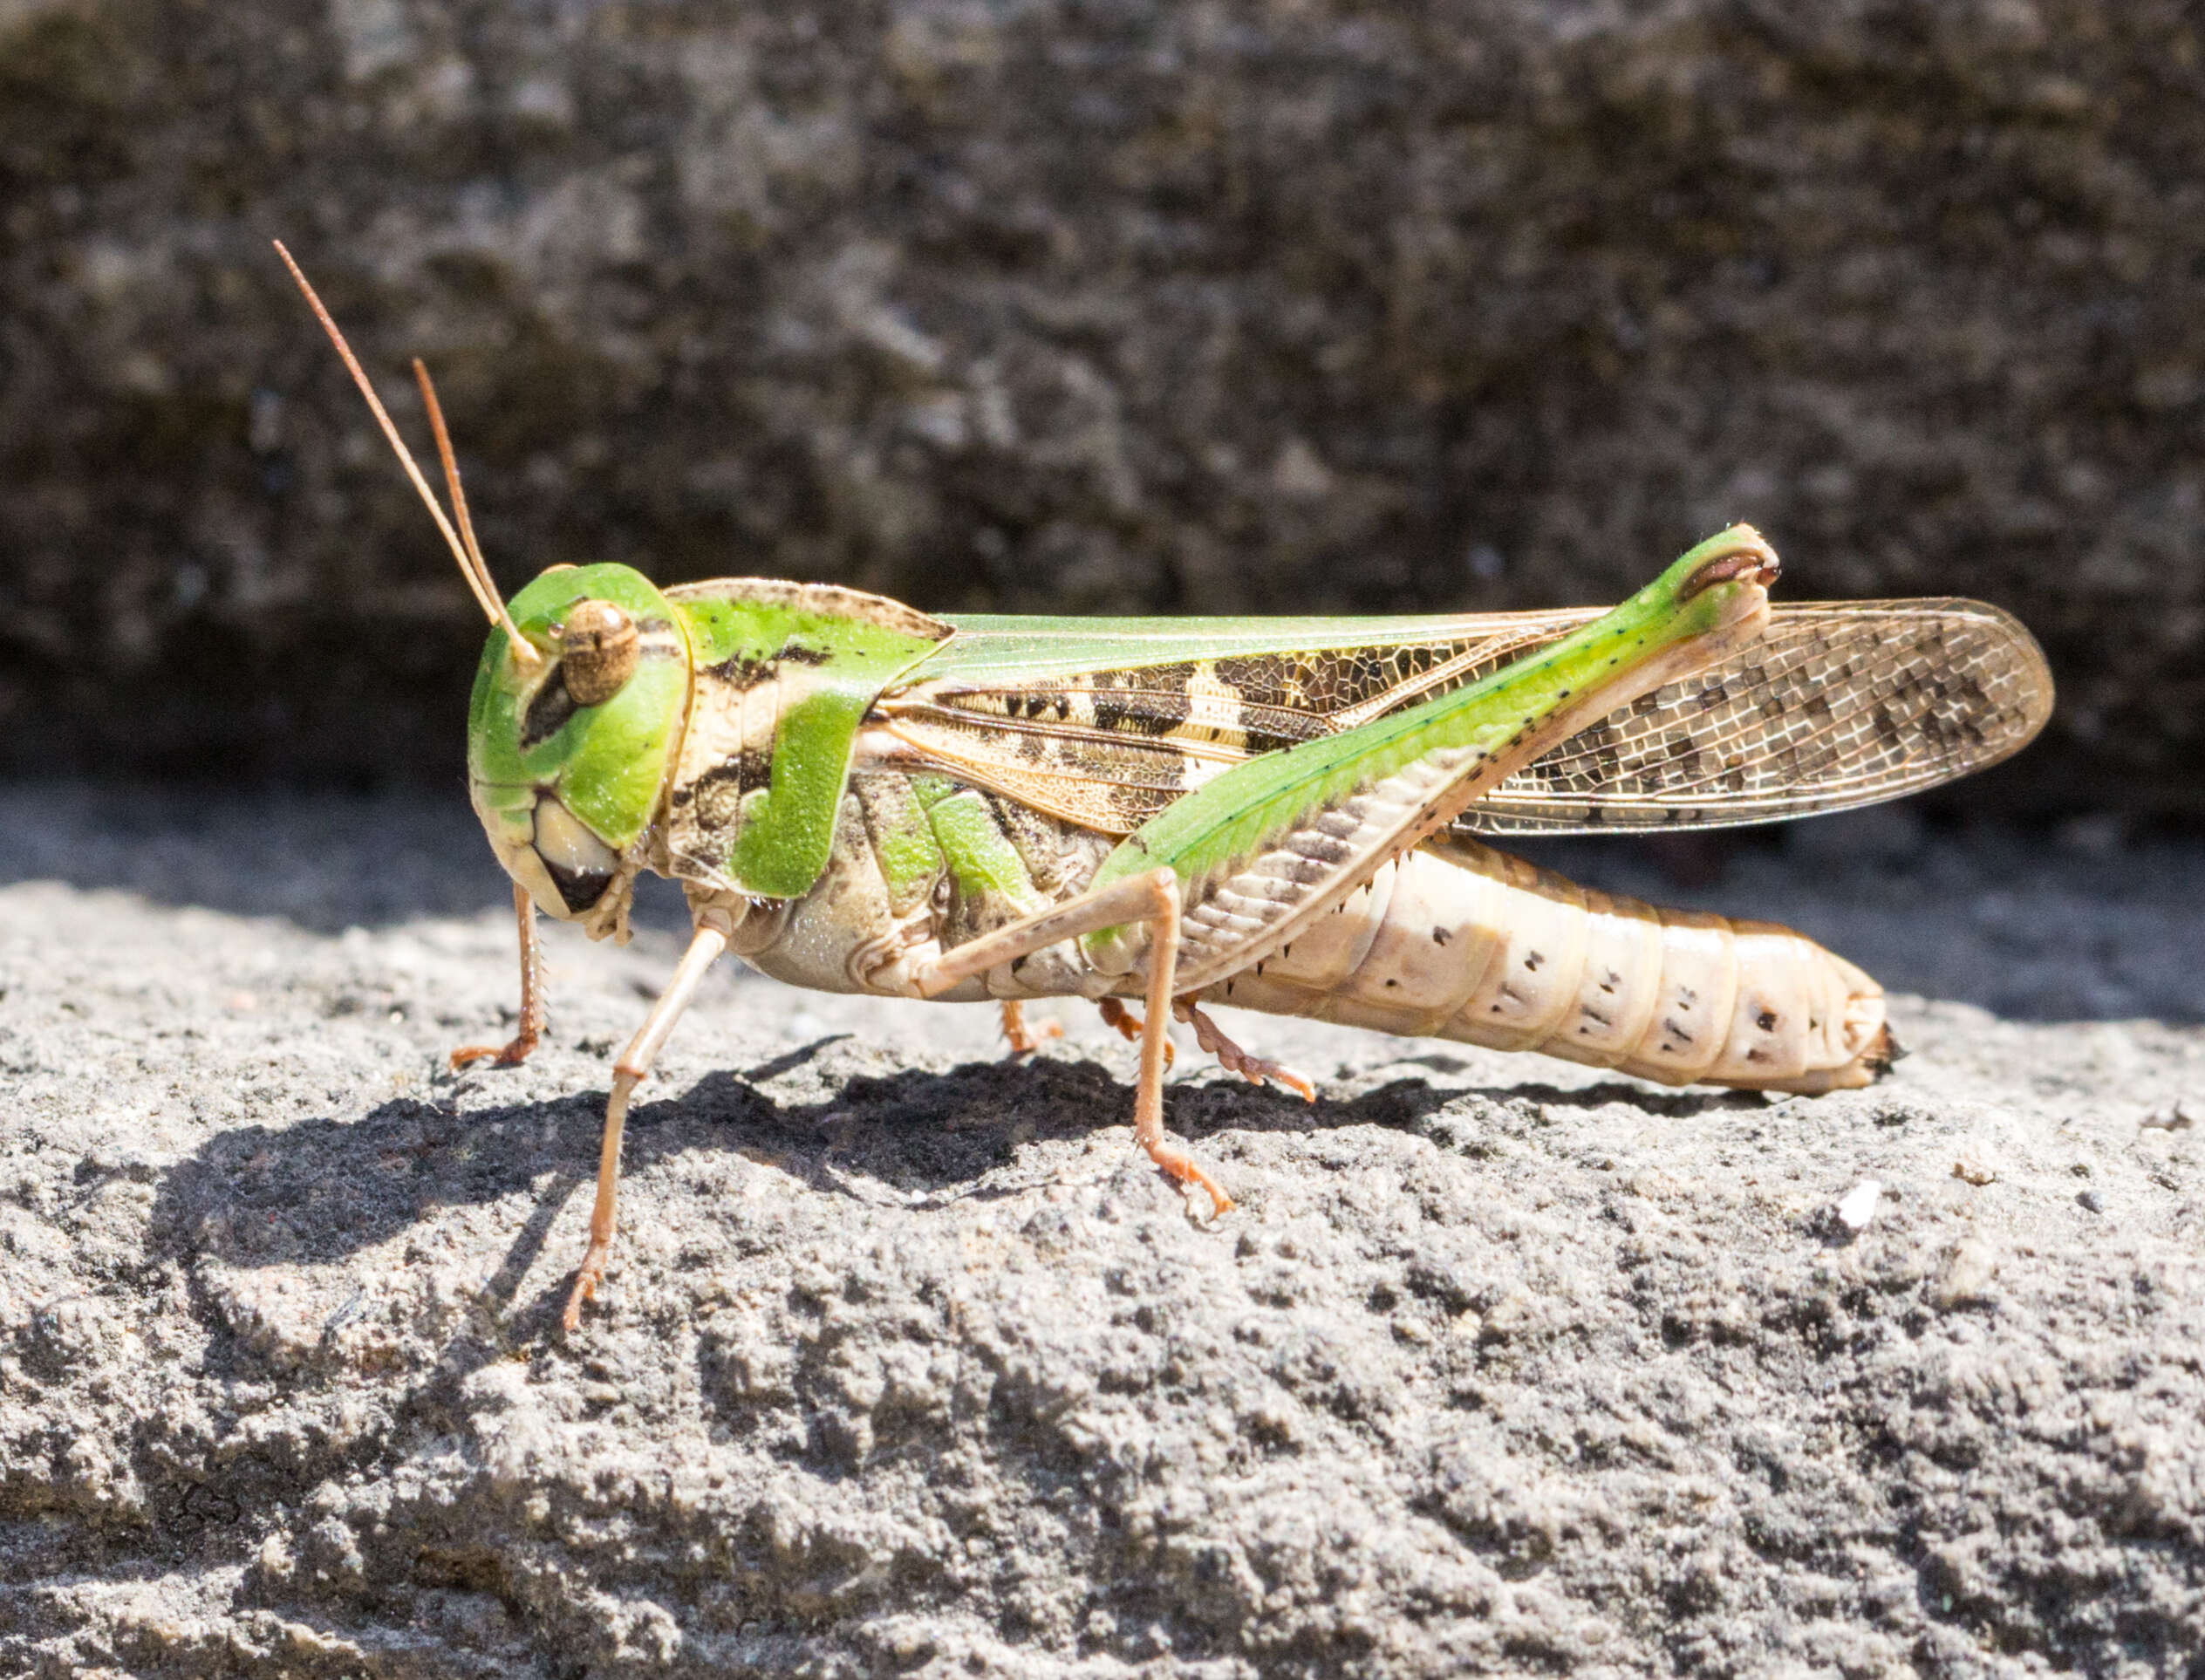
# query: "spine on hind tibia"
[[1456, 940]]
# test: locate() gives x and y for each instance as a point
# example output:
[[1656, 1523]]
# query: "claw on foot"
[[585, 1283], [511, 1055], [1178, 1163], [1233, 1059]]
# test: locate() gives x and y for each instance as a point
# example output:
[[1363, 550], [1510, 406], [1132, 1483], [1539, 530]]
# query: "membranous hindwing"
[[785, 674], [1108, 722], [567, 754]]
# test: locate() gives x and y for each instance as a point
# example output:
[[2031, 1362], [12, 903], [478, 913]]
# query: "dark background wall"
[[1179, 307]]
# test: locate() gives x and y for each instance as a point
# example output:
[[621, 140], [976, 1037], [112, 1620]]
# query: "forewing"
[[1105, 723]]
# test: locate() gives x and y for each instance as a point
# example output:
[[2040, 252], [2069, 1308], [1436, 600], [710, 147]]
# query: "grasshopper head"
[[568, 754], [578, 703]]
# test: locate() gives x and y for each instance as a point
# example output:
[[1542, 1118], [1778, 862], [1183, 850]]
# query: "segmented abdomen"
[[1459, 941]]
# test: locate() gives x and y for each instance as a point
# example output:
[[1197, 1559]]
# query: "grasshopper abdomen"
[[1460, 941]]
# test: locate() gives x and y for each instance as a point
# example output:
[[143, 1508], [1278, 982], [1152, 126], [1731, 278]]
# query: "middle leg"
[[1025, 1040], [1152, 898]]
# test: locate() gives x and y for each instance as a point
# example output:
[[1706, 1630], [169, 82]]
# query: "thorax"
[[919, 865]]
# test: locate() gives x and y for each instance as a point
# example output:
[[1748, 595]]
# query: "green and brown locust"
[[1281, 813]]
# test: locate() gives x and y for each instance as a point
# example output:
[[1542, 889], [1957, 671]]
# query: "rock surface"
[[1219, 308], [909, 1365]]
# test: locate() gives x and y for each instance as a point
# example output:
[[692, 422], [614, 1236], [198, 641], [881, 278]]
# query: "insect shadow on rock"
[[318, 1192], [1280, 814]]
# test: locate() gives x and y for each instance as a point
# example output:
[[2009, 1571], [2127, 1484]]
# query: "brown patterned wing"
[[1839, 704], [1138, 712]]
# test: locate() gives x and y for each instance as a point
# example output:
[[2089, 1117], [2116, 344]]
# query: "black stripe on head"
[[548, 712]]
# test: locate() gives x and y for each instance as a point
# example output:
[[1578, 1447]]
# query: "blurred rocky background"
[[1133, 306]]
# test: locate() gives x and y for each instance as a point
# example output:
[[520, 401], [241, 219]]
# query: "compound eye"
[[598, 648]]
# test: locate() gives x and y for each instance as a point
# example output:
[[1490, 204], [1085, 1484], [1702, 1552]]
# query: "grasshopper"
[[1280, 814]]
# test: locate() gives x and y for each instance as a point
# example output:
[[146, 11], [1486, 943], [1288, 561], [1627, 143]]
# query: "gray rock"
[[909, 1364], [1141, 307]]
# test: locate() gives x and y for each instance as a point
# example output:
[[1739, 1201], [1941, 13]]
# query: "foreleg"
[[531, 1029], [627, 1073]]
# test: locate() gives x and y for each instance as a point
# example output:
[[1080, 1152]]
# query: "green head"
[[568, 754]]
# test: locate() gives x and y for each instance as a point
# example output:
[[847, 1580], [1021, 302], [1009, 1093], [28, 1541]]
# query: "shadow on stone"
[[320, 1191]]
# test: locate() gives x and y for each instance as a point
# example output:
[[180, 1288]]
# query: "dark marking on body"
[[717, 794], [1439, 936], [743, 670], [548, 712]]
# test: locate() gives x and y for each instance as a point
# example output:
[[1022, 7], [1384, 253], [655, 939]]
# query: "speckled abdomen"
[[1459, 941]]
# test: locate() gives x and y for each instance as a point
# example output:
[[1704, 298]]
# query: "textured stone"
[[1183, 308], [910, 1364]]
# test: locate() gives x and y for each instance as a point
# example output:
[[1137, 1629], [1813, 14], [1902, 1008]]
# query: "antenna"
[[452, 473], [468, 556]]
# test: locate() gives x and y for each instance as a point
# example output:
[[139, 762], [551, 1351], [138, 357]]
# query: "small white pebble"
[[1860, 1205], [1969, 1266], [1973, 1169]]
